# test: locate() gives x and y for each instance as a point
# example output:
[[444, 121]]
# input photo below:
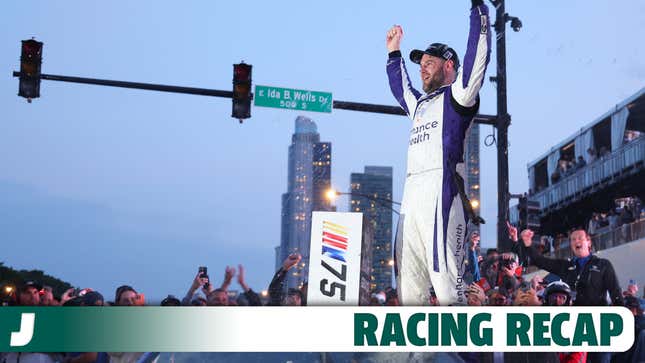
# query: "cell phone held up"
[[203, 274]]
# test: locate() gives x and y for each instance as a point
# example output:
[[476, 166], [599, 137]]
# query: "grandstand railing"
[[596, 172]]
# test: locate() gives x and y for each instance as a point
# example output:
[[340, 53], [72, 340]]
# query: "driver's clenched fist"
[[393, 38]]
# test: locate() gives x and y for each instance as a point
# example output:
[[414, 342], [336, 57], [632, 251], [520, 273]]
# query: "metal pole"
[[136, 85], [396, 110], [503, 121], [368, 107]]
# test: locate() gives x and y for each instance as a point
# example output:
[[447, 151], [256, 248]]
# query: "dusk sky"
[[105, 186]]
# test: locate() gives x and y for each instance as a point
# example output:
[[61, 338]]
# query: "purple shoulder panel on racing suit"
[[401, 86]]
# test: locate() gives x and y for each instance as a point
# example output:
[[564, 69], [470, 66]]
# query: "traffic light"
[[523, 212], [31, 58], [529, 213], [533, 215], [241, 91]]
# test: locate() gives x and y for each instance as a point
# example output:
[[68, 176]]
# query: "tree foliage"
[[11, 277]]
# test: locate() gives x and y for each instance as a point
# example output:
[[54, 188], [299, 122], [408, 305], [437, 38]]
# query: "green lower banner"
[[306, 329]]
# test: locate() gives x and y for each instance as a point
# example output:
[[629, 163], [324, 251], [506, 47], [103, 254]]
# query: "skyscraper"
[[371, 194], [309, 176]]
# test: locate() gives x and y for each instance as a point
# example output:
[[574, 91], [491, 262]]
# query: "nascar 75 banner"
[[335, 258]]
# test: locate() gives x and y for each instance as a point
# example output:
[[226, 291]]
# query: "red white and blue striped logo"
[[334, 241]]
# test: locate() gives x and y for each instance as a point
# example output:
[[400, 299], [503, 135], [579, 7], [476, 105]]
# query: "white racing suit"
[[430, 240]]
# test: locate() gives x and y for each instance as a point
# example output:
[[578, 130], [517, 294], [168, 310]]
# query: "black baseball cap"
[[437, 50], [171, 300], [91, 298]]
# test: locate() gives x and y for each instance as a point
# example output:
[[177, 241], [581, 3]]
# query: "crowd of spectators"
[[500, 279], [494, 279], [567, 166], [627, 210], [594, 154]]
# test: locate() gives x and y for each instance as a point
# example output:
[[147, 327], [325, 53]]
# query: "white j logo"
[[23, 337]]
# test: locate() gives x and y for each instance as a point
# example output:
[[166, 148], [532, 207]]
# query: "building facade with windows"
[[471, 160], [371, 194], [309, 176]]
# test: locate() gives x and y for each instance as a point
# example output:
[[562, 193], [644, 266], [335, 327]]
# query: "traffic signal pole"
[[341, 105], [136, 85], [503, 122]]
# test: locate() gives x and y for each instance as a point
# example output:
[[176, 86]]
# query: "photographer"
[[500, 271]]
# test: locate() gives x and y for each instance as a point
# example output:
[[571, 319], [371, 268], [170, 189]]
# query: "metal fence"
[[612, 238], [593, 173]]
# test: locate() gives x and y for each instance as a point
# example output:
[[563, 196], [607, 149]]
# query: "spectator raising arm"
[[527, 236], [229, 273], [276, 288], [198, 282], [251, 296]]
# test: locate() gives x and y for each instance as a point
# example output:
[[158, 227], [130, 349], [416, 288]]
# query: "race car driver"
[[430, 248]]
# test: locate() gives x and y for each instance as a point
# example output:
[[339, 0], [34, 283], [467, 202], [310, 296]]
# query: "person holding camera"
[[201, 280], [499, 270]]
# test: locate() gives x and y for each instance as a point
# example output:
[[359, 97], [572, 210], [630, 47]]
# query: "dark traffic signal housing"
[[242, 91], [529, 213], [30, 61]]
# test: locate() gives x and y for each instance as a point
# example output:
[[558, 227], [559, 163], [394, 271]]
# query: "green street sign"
[[292, 99]]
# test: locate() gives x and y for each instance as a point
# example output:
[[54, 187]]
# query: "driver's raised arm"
[[471, 76]]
